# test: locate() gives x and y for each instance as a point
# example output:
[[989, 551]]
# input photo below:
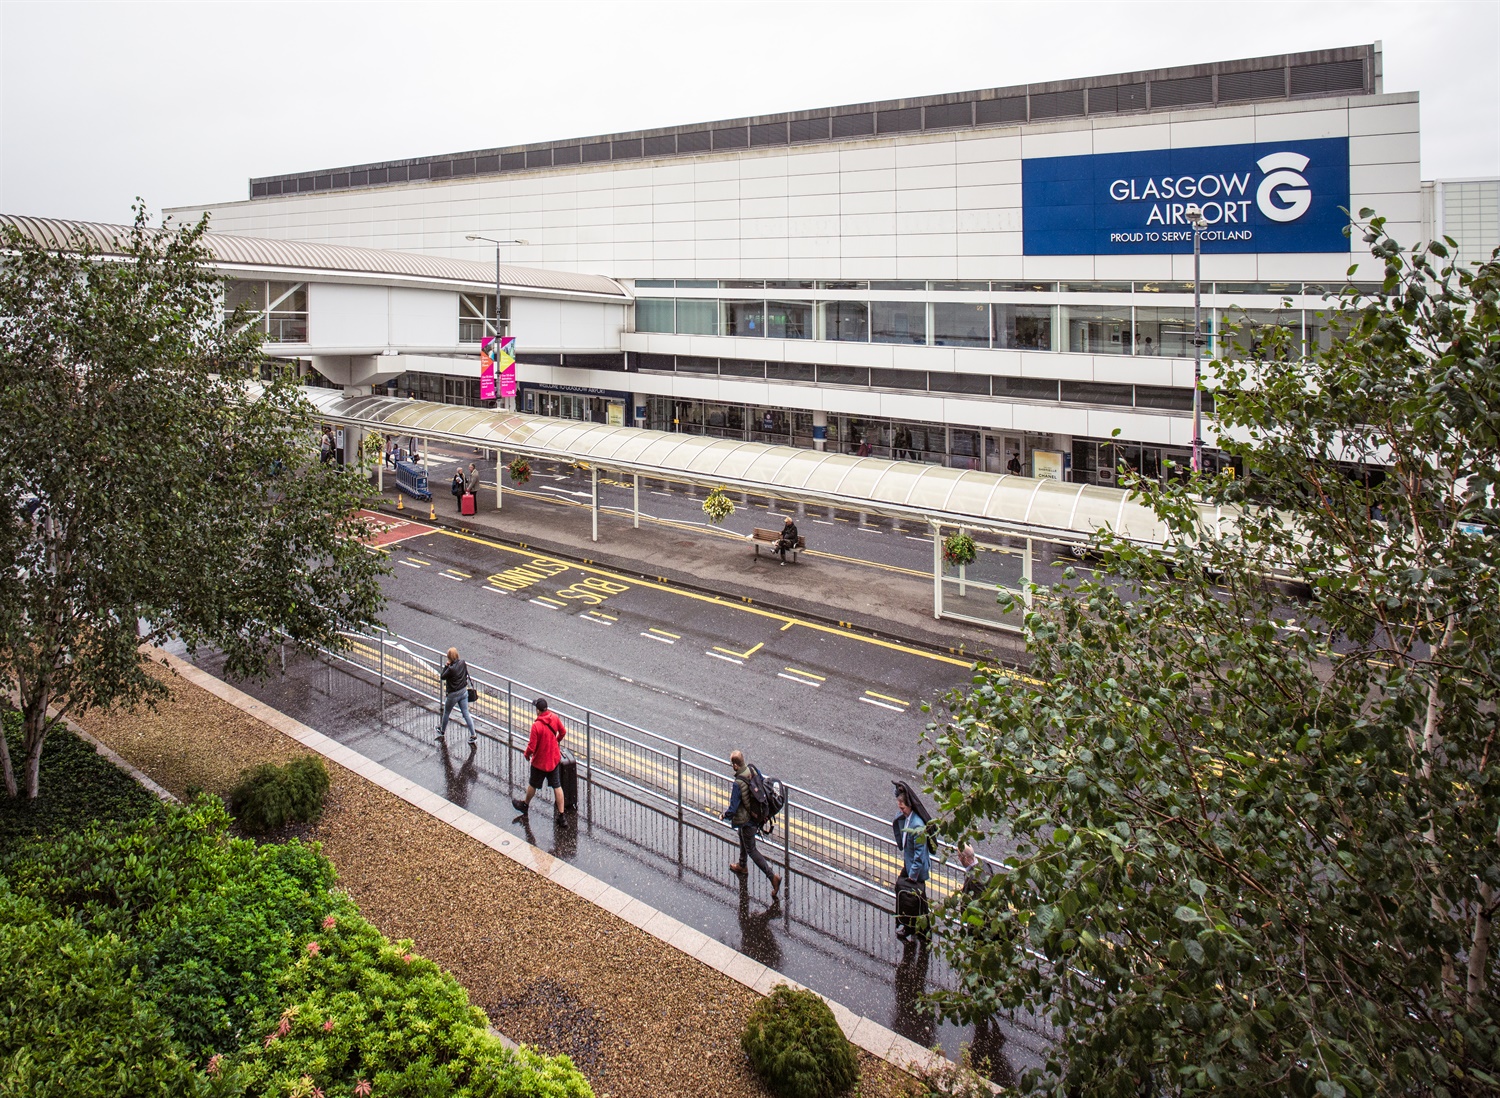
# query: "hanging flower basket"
[[959, 549], [520, 470], [718, 506]]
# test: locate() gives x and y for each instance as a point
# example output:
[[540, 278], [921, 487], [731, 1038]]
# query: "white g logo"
[[1284, 183]]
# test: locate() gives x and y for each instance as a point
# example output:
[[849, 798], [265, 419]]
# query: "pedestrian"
[[457, 691], [457, 489], [545, 756], [326, 445], [788, 540], [910, 830], [471, 479], [739, 817], [1013, 466], [976, 873]]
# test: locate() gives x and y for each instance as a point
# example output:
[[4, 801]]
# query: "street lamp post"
[[497, 243], [1196, 219]]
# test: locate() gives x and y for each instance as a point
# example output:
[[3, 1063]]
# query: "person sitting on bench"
[[788, 539]]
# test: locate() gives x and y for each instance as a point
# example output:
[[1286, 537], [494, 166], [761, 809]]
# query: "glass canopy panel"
[[831, 473], [664, 450], [934, 485], [802, 466], [1052, 506], [972, 492], [710, 457], [736, 464], [896, 485], [862, 478], [769, 465]]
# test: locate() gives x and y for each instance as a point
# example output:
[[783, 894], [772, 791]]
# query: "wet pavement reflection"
[[815, 933]]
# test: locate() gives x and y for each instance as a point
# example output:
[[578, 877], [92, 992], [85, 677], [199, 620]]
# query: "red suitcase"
[[467, 503]]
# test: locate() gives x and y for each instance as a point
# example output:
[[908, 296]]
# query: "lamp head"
[[1195, 217]]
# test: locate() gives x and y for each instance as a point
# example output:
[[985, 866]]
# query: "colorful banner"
[[506, 361], [486, 370]]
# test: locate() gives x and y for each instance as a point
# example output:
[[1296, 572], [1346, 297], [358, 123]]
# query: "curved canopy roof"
[[1001, 502], [297, 255]]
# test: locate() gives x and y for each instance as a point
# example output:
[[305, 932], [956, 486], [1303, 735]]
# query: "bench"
[[771, 537]]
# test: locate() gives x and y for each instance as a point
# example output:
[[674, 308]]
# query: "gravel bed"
[[640, 1019]]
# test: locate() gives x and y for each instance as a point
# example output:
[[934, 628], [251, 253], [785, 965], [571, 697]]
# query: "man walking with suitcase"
[[544, 754], [910, 829], [746, 805]]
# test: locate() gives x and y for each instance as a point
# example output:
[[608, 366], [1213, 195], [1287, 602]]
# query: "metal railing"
[[844, 848]]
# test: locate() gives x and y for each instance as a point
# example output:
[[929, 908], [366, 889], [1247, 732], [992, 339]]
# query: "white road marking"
[[408, 563], [596, 621], [796, 678], [726, 659], [446, 576], [653, 636], [547, 605], [823, 522], [924, 541], [883, 705]]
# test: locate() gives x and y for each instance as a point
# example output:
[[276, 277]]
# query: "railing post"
[[510, 740], [786, 860], [381, 638], [588, 761], [679, 807]]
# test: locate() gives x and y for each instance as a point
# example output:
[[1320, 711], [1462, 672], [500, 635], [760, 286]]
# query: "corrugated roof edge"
[[262, 252]]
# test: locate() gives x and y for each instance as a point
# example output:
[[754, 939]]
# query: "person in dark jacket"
[[457, 488], [455, 679], [545, 755], [738, 815], [788, 539]]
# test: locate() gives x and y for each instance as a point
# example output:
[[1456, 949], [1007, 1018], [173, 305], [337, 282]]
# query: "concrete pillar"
[[820, 430]]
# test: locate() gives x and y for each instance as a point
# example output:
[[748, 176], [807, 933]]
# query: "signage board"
[[1273, 196]]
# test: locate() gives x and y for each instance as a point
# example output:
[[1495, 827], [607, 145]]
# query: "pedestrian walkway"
[[884, 601]]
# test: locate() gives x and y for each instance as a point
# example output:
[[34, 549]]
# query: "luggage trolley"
[[412, 478]]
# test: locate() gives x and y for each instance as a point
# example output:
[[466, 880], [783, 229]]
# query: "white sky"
[[183, 102]]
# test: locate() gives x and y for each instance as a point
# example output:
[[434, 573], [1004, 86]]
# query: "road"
[[820, 707]]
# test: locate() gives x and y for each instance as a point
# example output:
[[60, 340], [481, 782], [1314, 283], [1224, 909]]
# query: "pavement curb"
[[1004, 651], [887, 1045]]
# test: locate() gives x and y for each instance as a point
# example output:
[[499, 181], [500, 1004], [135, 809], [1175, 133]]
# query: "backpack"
[[767, 795]]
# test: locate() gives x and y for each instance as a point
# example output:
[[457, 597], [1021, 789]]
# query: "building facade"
[[992, 279]]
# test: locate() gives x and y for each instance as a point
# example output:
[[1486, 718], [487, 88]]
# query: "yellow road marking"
[[741, 655], [664, 633], [606, 617], [456, 572], [787, 626], [887, 697], [419, 560], [756, 611], [809, 674]]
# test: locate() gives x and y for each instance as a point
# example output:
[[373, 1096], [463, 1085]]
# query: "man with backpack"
[[750, 808], [910, 831]]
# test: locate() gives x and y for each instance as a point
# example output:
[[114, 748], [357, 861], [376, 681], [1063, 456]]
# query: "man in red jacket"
[[544, 755]]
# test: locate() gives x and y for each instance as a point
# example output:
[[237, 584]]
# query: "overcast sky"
[[182, 103]]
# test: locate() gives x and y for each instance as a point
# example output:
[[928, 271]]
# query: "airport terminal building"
[[964, 279]]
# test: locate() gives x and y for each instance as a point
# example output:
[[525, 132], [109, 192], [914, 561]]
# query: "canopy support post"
[[594, 500], [636, 501]]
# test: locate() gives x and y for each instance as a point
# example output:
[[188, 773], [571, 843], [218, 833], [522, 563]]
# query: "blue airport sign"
[[1272, 196]]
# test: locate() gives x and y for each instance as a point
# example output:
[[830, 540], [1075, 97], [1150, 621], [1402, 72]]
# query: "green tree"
[[149, 489], [1254, 848]]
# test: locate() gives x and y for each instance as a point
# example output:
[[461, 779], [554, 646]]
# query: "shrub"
[[269, 796], [796, 1046], [357, 1007], [77, 785]]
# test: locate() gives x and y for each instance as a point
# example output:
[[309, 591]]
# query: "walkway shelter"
[[1016, 520]]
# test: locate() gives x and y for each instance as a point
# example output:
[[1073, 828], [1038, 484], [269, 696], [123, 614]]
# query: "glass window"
[[843, 285], [744, 318], [963, 287], [771, 425], [900, 379], [889, 284], [846, 321], [742, 284], [476, 317], [802, 428], [1247, 329], [1157, 396], [1026, 388], [1023, 327], [1095, 287], [1161, 331], [739, 367], [287, 322], [1024, 287], [653, 284], [698, 318], [973, 384], [249, 295], [790, 371], [1244, 288], [694, 364], [908, 441], [697, 283], [789, 319], [787, 284], [655, 315], [843, 375], [1097, 392], [956, 325], [652, 362], [1168, 287], [1097, 329], [898, 321]]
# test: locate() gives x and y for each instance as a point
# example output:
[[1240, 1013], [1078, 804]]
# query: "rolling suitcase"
[[467, 503], [567, 773], [911, 907]]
